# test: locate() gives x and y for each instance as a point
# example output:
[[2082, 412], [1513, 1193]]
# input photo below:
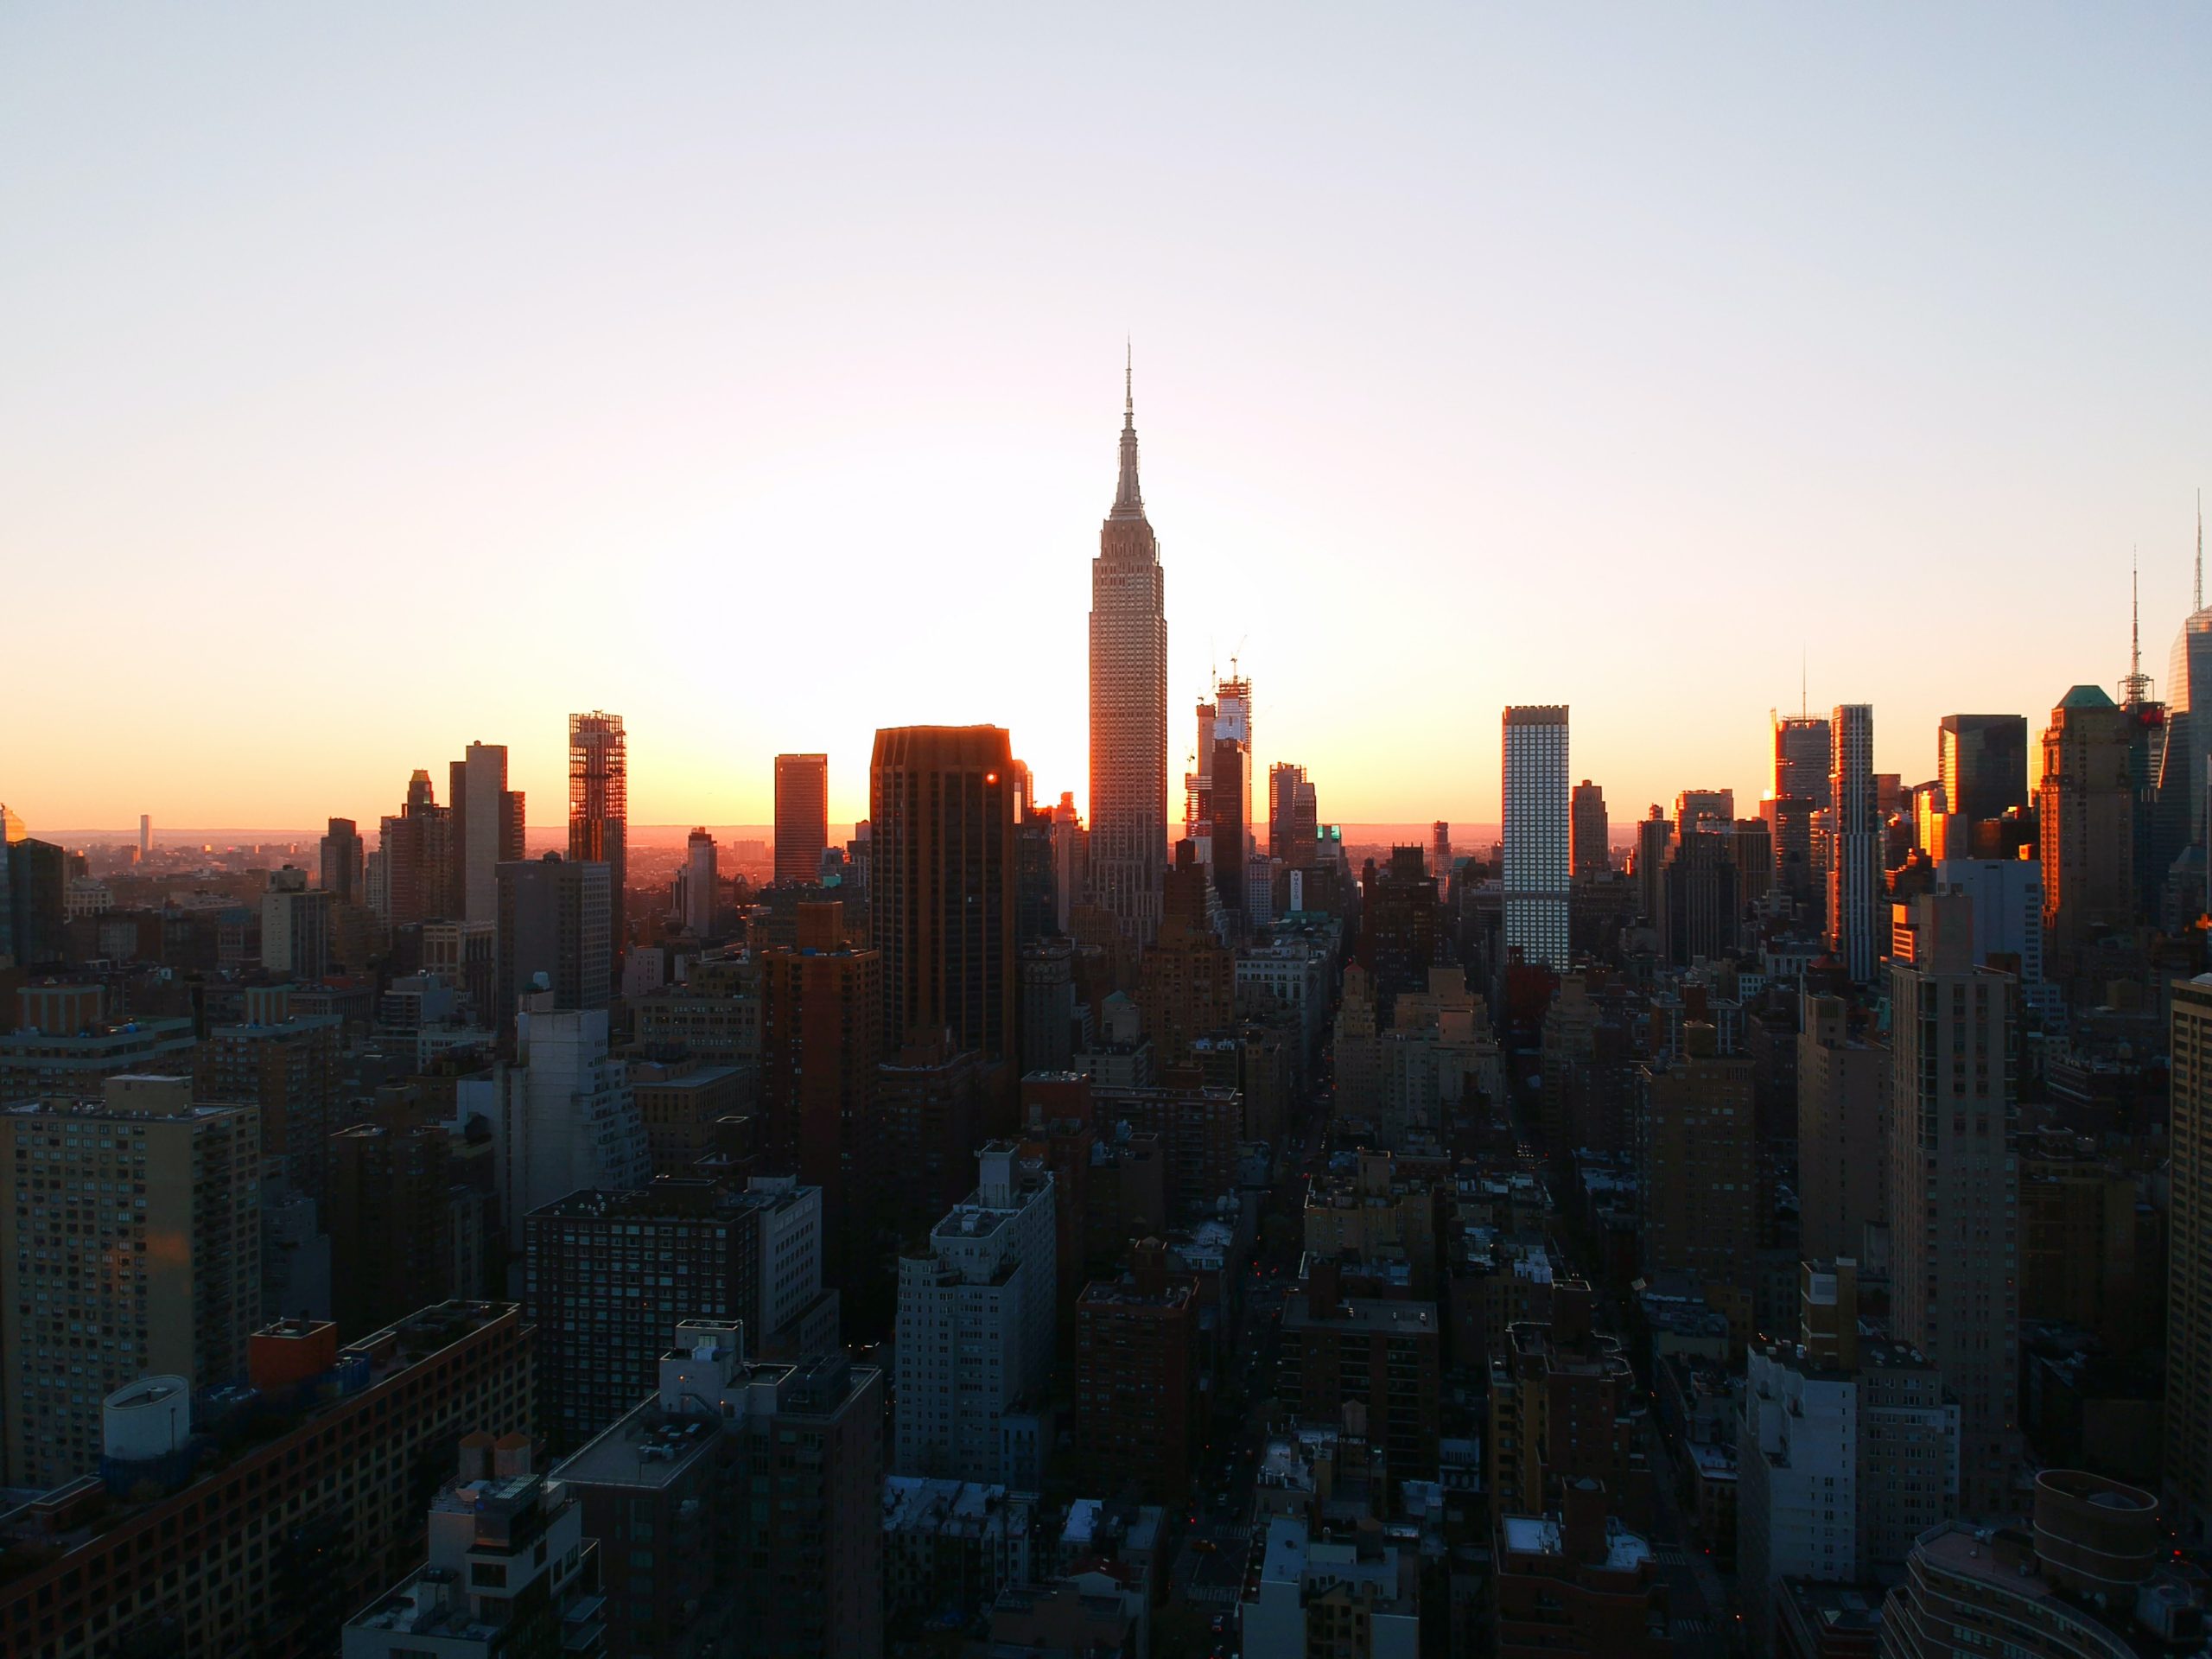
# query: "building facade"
[[1538, 836]]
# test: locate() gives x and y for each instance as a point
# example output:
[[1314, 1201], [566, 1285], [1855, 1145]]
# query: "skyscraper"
[[1537, 835], [1981, 761], [342, 862], [700, 882], [802, 817], [2188, 1260], [487, 829], [976, 1324], [1953, 1185], [942, 910], [1293, 815], [599, 812], [552, 917], [1802, 744], [1588, 853], [1129, 707], [2084, 815], [1855, 843]]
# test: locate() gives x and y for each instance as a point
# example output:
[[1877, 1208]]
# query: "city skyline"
[[1641, 314]]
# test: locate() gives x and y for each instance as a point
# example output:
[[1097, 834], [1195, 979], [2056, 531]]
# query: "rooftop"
[[648, 1447]]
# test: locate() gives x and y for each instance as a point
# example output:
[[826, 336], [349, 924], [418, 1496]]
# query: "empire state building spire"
[[1128, 704], [1128, 499]]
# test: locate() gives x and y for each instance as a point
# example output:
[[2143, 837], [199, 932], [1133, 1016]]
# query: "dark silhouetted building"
[[802, 817], [598, 815], [941, 885]]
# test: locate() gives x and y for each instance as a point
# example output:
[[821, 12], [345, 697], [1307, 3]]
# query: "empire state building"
[[1129, 707]]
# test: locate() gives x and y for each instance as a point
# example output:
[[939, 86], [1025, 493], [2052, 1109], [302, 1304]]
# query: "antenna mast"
[[2136, 688]]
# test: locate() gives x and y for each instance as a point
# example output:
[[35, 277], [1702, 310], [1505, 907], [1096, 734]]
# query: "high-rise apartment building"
[[976, 1321], [1702, 905], [1589, 852], [1953, 1185], [133, 1248], [296, 926], [599, 814], [700, 879], [564, 1117], [1981, 763], [1711, 811], [1561, 1399], [821, 1039], [342, 853], [941, 887], [1654, 840], [1187, 984], [391, 1216], [740, 1505], [33, 900], [2084, 815], [1843, 1139], [2189, 1262], [417, 847], [555, 918], [1699, 1148], [1129, 707], [1384, 1352], [1293, 814], [1538, 850], [487, 829], [1854, 844], [802, 817], [1846, 1451], [284, 1065], [1136, 1392], [608, 1274]]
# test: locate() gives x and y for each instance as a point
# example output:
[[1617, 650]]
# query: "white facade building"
[[975, 1322], [1797, 1481], [698, 880], [566, 1119], [1537, 838], [2007, 894]]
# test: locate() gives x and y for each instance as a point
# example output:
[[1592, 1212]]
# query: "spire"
[[2136, 688], [2200, 552], [1128, 501]]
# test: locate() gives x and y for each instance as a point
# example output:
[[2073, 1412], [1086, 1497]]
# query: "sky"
[[377, 379]]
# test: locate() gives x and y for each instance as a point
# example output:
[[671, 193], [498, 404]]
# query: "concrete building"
[[342, 855], [605, 1274], [285, 1066], [169, 1286], [2084, 1578], [2008, 919], [976, 1323], [65, 1045], [509, 1569], [1136, 1396], [1698, 1143], [1537, 836], [243, 1541], [1129, 707], [1347, 1601], [2189, 1263], [1385, 1353], [391, 1221], [1954, 1181], [820, 1045], [294, 926], [700, 884], [564, 1118], [1590, 849], [1843, 1131], [781, 1548], [487, 826], [556, 919], [1577, 1580]]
